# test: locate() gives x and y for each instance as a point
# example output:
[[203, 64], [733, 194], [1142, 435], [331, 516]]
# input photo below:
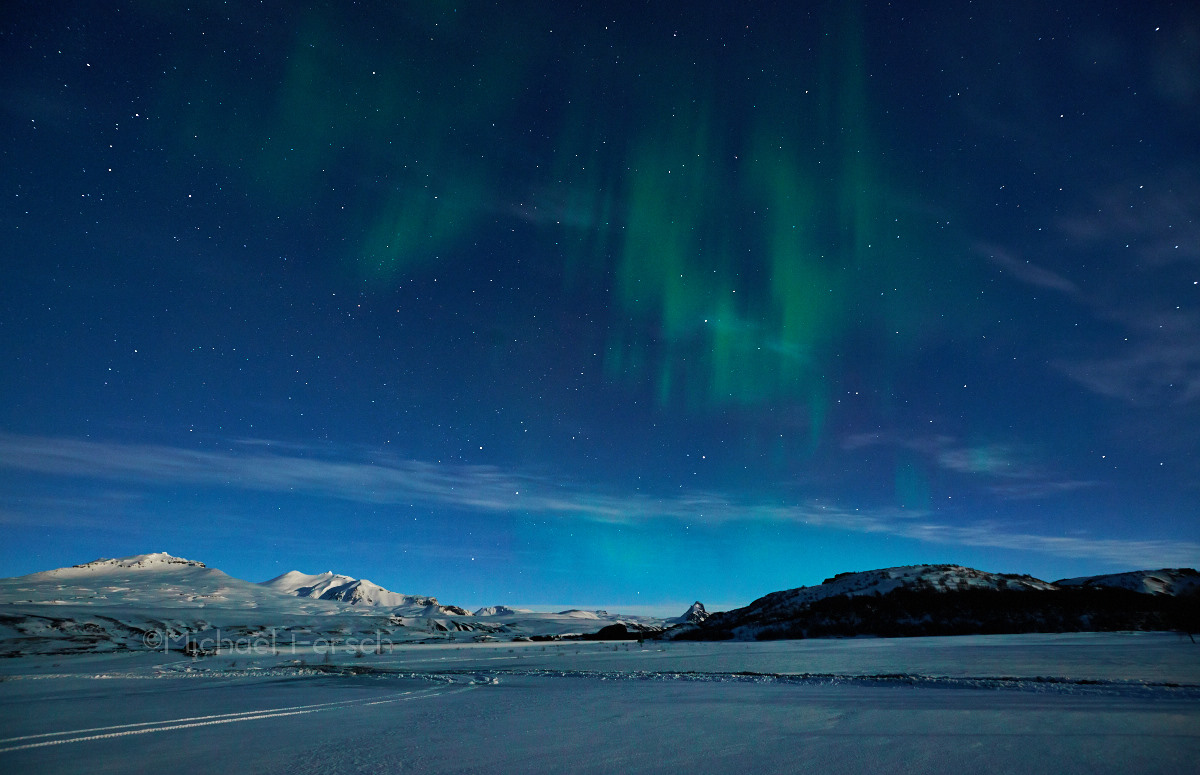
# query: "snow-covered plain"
[[327, 673], [1087, 703]]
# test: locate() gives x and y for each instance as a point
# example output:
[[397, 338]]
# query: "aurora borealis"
[[604, 304]]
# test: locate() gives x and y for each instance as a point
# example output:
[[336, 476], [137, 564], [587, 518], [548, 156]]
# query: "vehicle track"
[[145, 727]]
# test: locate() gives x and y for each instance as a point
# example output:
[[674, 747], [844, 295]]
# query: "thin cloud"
[[1119, 552], [1161, 374], [1153, 216], [1026, 272], [490, 489], [1007, 471], [991, 459], [946, 452], [1161, 366], [1027, 490]]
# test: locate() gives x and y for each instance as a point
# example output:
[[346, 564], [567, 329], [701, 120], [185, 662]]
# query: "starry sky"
[[618, 304]]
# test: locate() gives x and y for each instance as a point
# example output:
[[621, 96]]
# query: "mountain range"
[[954, 600], [131, 603], [141, 601]]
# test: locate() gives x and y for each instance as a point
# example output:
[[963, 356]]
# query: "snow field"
[[1116, 703]]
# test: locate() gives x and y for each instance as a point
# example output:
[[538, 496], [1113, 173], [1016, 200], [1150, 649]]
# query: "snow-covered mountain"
[[346, 589], [501, 610], [156, 580], [307, 585], [939, 578], [131, 603], [946, 600], [695, 614], [1166, 581], [153, 561], [158, 600]]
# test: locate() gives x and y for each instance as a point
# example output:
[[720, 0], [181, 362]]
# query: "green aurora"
[[737, 213]]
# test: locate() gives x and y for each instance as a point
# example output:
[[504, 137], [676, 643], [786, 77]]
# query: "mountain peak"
[[695, 614], [155, 560], [345, 589], [501, 610]]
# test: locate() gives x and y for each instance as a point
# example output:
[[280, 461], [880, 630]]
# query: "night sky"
[[617, 304]]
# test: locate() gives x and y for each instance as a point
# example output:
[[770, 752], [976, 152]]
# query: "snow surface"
[[1087, 703]]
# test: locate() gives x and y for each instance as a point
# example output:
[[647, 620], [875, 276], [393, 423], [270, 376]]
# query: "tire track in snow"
[[146, 727], [179, 720]]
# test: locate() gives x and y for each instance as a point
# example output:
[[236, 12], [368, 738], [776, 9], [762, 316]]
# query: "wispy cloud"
[[1159, 366], [1029, 489], [382, 481], [1006, 470], [491, 489], [1160, 374], [1154, 217], [998, 460], [1120, 552], [1137, 243], [1026, 271], [1151, 221]]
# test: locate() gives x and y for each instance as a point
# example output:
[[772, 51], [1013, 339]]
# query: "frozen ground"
[[1089, 703]]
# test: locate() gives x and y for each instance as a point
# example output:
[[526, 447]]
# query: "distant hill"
[[954, 600], [1167, 581]]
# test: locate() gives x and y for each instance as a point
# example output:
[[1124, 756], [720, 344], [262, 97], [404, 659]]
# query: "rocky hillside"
[[949, 600]]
